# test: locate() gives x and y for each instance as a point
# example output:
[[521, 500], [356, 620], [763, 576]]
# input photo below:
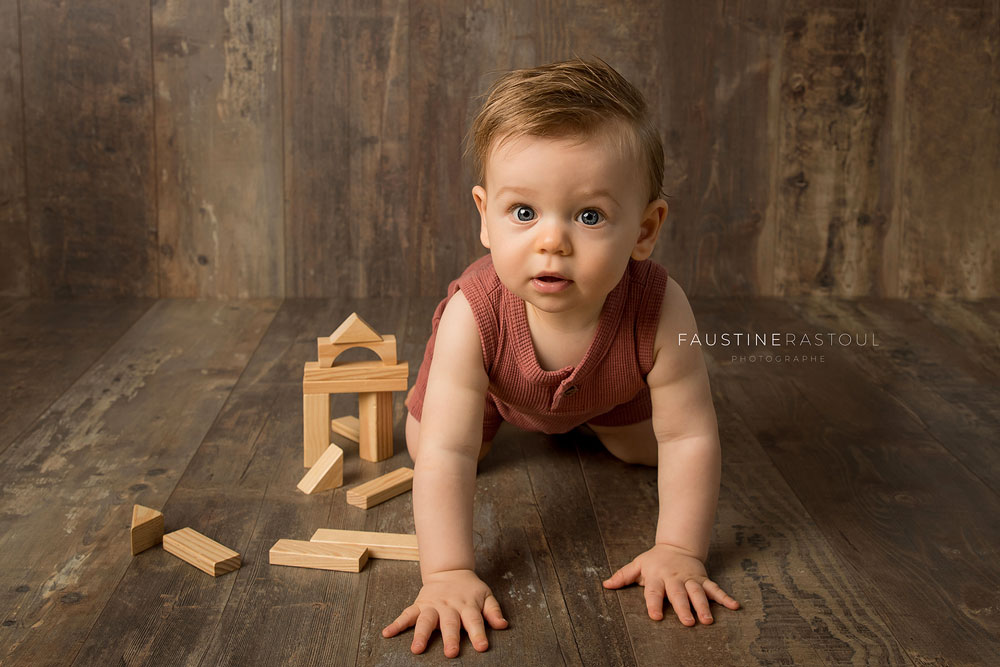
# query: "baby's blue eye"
[[590, 217], [524, 213]]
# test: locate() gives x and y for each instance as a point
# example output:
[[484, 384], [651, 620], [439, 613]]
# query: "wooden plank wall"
[[313, 148]]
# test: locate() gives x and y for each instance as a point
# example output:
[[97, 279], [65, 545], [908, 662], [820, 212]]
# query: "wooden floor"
[[858, 523]]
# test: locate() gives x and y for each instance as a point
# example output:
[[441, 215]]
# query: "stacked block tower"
[[373, 381]]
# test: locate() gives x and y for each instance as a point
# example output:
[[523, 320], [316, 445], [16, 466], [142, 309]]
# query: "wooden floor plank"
[[45, 346], [919, 529], [121, 434], [800, 603], [974, 325], [942, 381], [850, 526]]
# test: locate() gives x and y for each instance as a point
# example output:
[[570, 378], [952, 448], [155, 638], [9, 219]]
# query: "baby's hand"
[[450, 599], [665, 568]]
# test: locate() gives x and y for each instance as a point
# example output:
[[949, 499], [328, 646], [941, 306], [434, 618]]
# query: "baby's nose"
[[552, 236]]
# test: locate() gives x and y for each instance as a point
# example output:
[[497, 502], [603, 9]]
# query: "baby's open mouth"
[[551, 279]]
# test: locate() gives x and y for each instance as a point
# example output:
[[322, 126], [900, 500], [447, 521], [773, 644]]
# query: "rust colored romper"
[[608, 387]]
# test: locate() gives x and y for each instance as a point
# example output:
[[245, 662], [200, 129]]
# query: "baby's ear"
[[479, 195], [649, 229]]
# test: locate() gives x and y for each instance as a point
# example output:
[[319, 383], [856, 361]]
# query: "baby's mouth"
[[552, 279]]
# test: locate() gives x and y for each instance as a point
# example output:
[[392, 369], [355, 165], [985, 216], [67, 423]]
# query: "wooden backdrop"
[[312, 147]]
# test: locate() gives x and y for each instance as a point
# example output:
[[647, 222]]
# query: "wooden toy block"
[[392, 546], [380, 489], [354, 330], [328, 352], [362, 370], [327, 473], [315, 427], [375, 409], [205, 554], [348, 426], [319, 555], [316, 380], [147, 528]]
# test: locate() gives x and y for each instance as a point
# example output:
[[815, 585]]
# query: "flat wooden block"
[[204, 553], [328, 352], [354, 330], [326, 473], [382, 488], [348, 426], [316, 380], [147, 528], [392, 546], [319, 555]]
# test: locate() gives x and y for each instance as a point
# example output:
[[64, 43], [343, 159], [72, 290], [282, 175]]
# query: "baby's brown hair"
[[569, 98]]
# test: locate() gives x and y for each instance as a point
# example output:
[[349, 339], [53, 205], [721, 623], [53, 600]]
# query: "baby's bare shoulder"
[[676, 317], [458, 352]]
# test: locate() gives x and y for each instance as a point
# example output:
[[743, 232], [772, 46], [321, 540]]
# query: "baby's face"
[[562, 216]]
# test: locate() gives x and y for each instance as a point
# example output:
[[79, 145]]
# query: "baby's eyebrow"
[[587, 194]]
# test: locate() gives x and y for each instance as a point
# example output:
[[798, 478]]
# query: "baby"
[[566, 322]]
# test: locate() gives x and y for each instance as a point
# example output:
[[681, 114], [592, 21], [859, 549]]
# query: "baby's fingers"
[[492, 613], [451, 631], [679, 601], [403, 621], [624, 576], [654, 598], [698, 600], [472, 619], [719, 595], [426, 623]]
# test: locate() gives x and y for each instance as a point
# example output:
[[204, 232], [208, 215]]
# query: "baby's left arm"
[[688, 471]]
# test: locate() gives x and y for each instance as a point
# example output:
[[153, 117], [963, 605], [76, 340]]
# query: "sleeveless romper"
[[607, 387]]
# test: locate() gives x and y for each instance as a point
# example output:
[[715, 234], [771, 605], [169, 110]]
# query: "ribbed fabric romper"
[[607, 387]]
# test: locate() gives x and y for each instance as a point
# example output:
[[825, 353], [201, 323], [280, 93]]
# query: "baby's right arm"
[[444, 484]]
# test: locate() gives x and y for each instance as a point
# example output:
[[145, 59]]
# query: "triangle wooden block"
[[354, 330], [326, 473], [147, 528]]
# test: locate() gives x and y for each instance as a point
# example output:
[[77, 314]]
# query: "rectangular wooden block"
[[319, 555], [316, 380], [375, 416], [326, 473], [204, 553], [147, 528], [392, 546], [348, 426], [315, 427], [380, 489]]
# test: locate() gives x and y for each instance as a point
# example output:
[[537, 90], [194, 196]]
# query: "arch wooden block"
[[328, 352]]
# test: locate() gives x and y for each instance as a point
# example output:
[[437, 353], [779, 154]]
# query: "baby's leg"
[[413, 437], [634, 443]]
